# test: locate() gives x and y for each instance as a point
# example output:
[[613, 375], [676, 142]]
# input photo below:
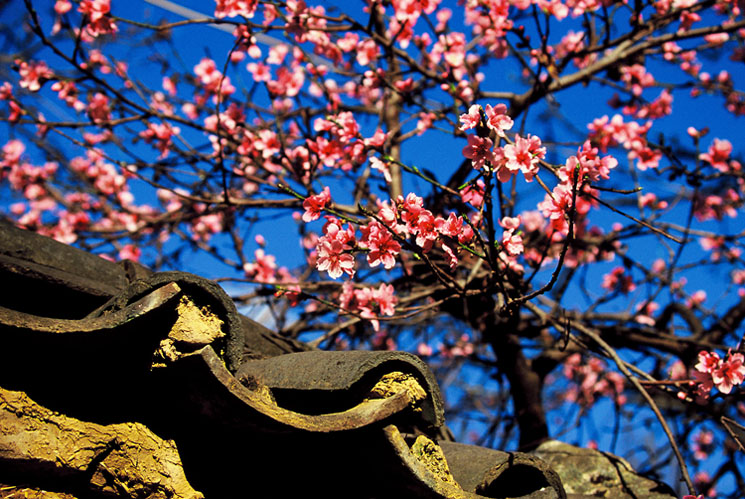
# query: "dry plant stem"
[[333, 332], [626, 369], [650, 401], [726, 423], [562, 255], [640, 222]]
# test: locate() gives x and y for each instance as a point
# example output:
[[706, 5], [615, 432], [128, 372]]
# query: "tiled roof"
[[116, 381]]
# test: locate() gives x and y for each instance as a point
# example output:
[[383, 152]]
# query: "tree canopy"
[[542, 198]]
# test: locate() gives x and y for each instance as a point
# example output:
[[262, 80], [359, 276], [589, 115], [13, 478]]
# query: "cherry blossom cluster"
[[232, 8], [712, 371], [334, 249], [212, 81], [161, 134], [370, 303], [605, 133], [703, 444], [64, 218], [264, 267], [522, 155], [6, 94], [715, 206], [462, 347], [33, 74], [97, 15], [703, 481], [592, 379], [618, 280], [718, 156], [313, 205]]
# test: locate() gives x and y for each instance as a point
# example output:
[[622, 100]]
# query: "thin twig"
[[650, 401]]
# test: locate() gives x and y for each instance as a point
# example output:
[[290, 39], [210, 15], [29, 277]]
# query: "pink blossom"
[[588, 165], [451, 226], [497, 119], [425, 229], [387, 212], [288, 83], [68, 92], [647, 157], [12, 152], [703, 444], [377, 140], [204, 227], [333, 249], [424, 350], [32, 73], [718, 155], [478, 151], [425, 122], [410, 207], [451, 48], [98, 108], [556, 206], [314, 204], [738, 276], [366, 52], [715, 207], [618, 280], [572, 43], [169, 86], [233, 8], [463, 347], [636, 78], [342, 125], [524, 156], [472, 118], [382, 167], [658, 108], [512, 242], [99, 23], [696, 134], [729, 373], [331, 258], [593, 379], [510, 223], [62, 6], [644, 313], [696, 299], [212, 79], [365, 300], [707, 361], [474, 194], [381, 244], [649, 200], [6, 91], [259, 71], [130, 252], [385, 299], [162, 134], [264, 269], [687, 18]]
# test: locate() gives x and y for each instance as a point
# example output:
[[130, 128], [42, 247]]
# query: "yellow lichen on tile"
[[430, 454], [396, 382], [195, 325]]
